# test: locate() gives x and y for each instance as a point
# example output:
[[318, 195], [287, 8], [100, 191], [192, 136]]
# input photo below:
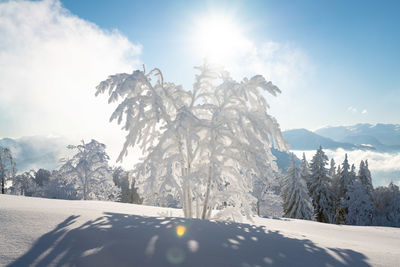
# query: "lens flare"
[[180, 230]]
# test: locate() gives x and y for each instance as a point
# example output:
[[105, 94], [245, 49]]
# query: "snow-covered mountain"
[[379, 138], [50, 232], [382, 136], [302, 139]]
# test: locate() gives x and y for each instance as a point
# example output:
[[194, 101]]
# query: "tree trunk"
[[2, 186], [203, 216]]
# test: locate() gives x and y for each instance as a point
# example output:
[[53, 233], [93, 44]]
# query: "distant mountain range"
[[378, 137], [45, 151]]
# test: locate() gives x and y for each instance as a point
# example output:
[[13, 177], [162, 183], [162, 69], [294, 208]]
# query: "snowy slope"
[[42, 232]]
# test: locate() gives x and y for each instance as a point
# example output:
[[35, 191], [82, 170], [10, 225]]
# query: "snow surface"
[[48, 232]]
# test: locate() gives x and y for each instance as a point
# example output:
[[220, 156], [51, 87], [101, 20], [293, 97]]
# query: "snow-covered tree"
[[365, 176], [124, 180], [305, 170], [342, 184], [387, 203], [7, 167], [203, 147], [319, 188], [332, 169], [61, 187], [24, 184], [297, 203], [88, 172], [42, 176], [359, 204]]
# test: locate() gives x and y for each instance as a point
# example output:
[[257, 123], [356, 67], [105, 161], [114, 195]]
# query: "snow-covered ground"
[[46, 232]]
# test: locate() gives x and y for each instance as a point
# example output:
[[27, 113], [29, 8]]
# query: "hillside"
[[46, 232]]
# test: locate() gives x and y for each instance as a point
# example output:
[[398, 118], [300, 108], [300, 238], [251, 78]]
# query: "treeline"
[[338, 194], [85, 176]]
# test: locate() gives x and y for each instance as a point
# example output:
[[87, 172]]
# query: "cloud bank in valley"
[[385, 167], [51, 62]]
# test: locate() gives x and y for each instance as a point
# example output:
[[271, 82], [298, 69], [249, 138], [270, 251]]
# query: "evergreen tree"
[[7, 167], [305, 170], [365, 176], [297, 203], [342, 185], [319, 188], [387, 203], [359, 203], [124, 180]]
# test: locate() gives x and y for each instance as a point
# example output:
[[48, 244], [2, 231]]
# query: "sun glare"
[[218, 38], [180, 230]]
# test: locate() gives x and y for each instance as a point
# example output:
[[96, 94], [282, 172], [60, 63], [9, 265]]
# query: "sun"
[[218, 38]]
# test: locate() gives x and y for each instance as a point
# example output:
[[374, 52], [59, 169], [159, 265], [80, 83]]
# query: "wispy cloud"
[[355, 110], [285, 64], [352, 109], [51, 61]]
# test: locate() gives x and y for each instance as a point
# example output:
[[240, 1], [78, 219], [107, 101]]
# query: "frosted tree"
[[359, 204], [124, 180], [305, 170], [319, 188], [342, 184], [60, 186], [365, 176], [332, 169], [7, 167], [334, 175], [297, 203], [387, 203], [88, 172], [202, 148], [24, 184]]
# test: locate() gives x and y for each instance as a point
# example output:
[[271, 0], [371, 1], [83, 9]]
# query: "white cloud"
[[364, 111], [352, 109], [284, 64], [50, 62]]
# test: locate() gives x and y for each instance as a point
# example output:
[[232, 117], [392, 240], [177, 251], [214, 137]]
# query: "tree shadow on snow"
[[130, 240]]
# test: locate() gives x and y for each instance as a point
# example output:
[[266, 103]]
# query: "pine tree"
[[297, 203], [387, 203], [7, 167], [319, 188], [365, 176], [359, 204], [342, 185], [305, 170]]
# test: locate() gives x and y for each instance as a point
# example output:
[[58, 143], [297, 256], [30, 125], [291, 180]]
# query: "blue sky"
[[352, 46], [336, 62]]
